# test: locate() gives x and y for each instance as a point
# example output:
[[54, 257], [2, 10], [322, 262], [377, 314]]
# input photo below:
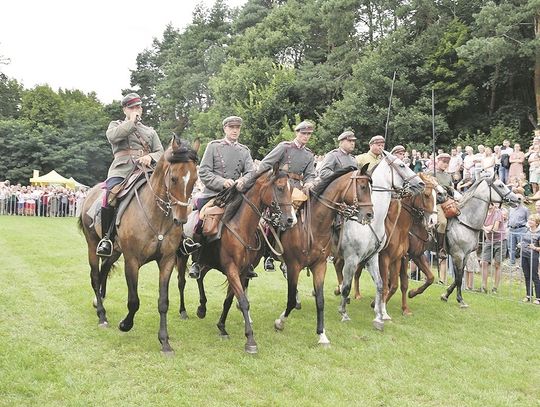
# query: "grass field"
[[53, 354]]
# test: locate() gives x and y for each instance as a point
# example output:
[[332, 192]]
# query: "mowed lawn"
[[52, 352]]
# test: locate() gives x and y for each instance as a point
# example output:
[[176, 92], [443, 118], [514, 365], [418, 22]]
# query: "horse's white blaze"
[[295, 219], [433, 216], [186, 181]]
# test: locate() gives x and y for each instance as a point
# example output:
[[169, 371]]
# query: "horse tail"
[[80, 225]]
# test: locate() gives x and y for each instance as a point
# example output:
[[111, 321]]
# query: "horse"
[[462, 231], [308, 244], [151, 229], [360, 244], [240, 244], [406, 220]]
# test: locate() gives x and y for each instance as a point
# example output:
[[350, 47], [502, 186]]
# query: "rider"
[[341, 157], [223, 162], [294, 158], [374, 155], [399, 152], [133, 144], [445, 180]]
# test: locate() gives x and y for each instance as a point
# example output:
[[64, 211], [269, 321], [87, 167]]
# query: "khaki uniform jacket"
[[221, 161], [368, 158], [299, 162], [336, 160], [123, 136]]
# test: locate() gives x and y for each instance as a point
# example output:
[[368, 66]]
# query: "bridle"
[[400, 192], [342, 208]]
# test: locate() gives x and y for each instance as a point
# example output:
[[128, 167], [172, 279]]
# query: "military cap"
[[305, 125], [131, 99], [232, 120], [397, 149], [443, 156], [376, 139], [349, 135]]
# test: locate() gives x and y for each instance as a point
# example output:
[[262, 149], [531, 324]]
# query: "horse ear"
[[275, 169], [363, 170], [175, 141], [196, 144]]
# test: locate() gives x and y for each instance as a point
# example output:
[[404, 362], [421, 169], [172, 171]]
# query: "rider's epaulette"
[[307, 149], [216, 141], [243, 146]]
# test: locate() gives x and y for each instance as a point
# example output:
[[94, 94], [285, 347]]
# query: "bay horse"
[[308, 244], [240, 244], [462, 231], [360, 244], [151, 229]]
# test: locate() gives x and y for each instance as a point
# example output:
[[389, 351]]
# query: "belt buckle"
[[140, 152]]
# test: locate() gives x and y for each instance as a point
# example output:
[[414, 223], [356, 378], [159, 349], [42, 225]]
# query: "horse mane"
[[182, 153], [323, 184], [470, 192]]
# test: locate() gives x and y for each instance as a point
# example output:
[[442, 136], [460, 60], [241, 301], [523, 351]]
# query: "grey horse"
[[462, 231]]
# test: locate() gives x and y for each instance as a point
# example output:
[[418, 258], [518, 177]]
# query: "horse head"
[[275, 194], [500, 190], [432, 195], [402, 178], [179, 177]]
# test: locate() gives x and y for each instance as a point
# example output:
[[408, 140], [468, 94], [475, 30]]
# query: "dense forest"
[[278, 62]]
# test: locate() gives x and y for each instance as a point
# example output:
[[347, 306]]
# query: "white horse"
[[362, 243], [462, 231]]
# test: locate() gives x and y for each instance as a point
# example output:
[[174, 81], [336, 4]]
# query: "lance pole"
[[389, 107]]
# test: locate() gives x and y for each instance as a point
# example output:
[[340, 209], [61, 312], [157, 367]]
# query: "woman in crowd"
[[517, 157], [530, 248]]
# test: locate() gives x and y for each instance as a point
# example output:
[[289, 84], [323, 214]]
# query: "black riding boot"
[[108, 228], [441, 244], [251, 272], [195, 269]]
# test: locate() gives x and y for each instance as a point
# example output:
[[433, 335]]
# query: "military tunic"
[[130, 141], [368, 158], [336, 160], [297, 161], [223, 160], [445, 180]]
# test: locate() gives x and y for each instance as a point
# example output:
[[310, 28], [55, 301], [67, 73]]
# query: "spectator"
[[494, 246], [530, 247], [504, 156], [516, 159], [488, 161], [468, 163], [517, 226], [454, 168], [534, 169]]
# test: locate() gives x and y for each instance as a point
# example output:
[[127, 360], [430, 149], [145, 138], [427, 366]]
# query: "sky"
[[90, 45]]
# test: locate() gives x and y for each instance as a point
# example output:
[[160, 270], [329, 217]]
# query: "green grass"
[[53, 354]]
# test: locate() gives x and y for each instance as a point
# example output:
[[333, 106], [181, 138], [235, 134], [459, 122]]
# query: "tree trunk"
[[494, 90]]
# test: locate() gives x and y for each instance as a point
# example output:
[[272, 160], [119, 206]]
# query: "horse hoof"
[[463, 305], [103, 324], [298, 305], [167, 352], [201, 313], [324, 345], [251, 349], [224, 336], [124, 327], [386, 317], [378, 325], [279, 325], [411, 294], [407, 312], [444, 298], [345, 318], [358, 296], [184, 315], [337, 291]]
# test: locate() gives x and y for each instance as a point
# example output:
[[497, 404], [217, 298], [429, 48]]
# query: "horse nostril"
[[290, 221]]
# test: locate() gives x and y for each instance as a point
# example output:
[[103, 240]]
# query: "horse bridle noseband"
[[399, 191]]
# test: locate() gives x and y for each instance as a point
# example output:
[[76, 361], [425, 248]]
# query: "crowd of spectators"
[[53, 201]]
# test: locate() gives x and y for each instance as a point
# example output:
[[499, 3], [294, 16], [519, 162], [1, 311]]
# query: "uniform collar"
[[229, 142], [343, 151], [297, 144]]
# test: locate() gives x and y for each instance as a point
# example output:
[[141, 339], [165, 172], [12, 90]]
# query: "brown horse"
[[151, 229], [308, 243], [407, 220], [240, 244]]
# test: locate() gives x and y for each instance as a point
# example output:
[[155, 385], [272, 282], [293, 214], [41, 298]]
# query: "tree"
[[10, 97], [42, 105]]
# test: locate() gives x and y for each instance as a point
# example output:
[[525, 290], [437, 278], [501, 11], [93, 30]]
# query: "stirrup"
[[188, 246], [195, 271], [104, 247], [269, 264]]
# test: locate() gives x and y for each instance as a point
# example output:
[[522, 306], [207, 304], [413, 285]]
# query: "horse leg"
[[181, 263], [373, 268], [357, 274], [319, 272], [422, 263], [349, 267], [224, 313], [384, 266], [338, 265], [394, 270], [404, 286], [95, 279], [293, 272], [201, 309], [132, 280], [165, 270], [458, 269]]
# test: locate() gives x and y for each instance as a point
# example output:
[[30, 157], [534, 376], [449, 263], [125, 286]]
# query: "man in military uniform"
[[341, 157], [399, 151], [133, 144], [374, 155], [223, 163], [294, 158], [445, 180]]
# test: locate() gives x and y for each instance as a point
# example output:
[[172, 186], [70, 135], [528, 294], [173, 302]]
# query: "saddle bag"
[[212, 217], [450, 208]]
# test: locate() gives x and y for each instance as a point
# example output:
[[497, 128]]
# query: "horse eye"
[[402, 165], [174, 180]]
